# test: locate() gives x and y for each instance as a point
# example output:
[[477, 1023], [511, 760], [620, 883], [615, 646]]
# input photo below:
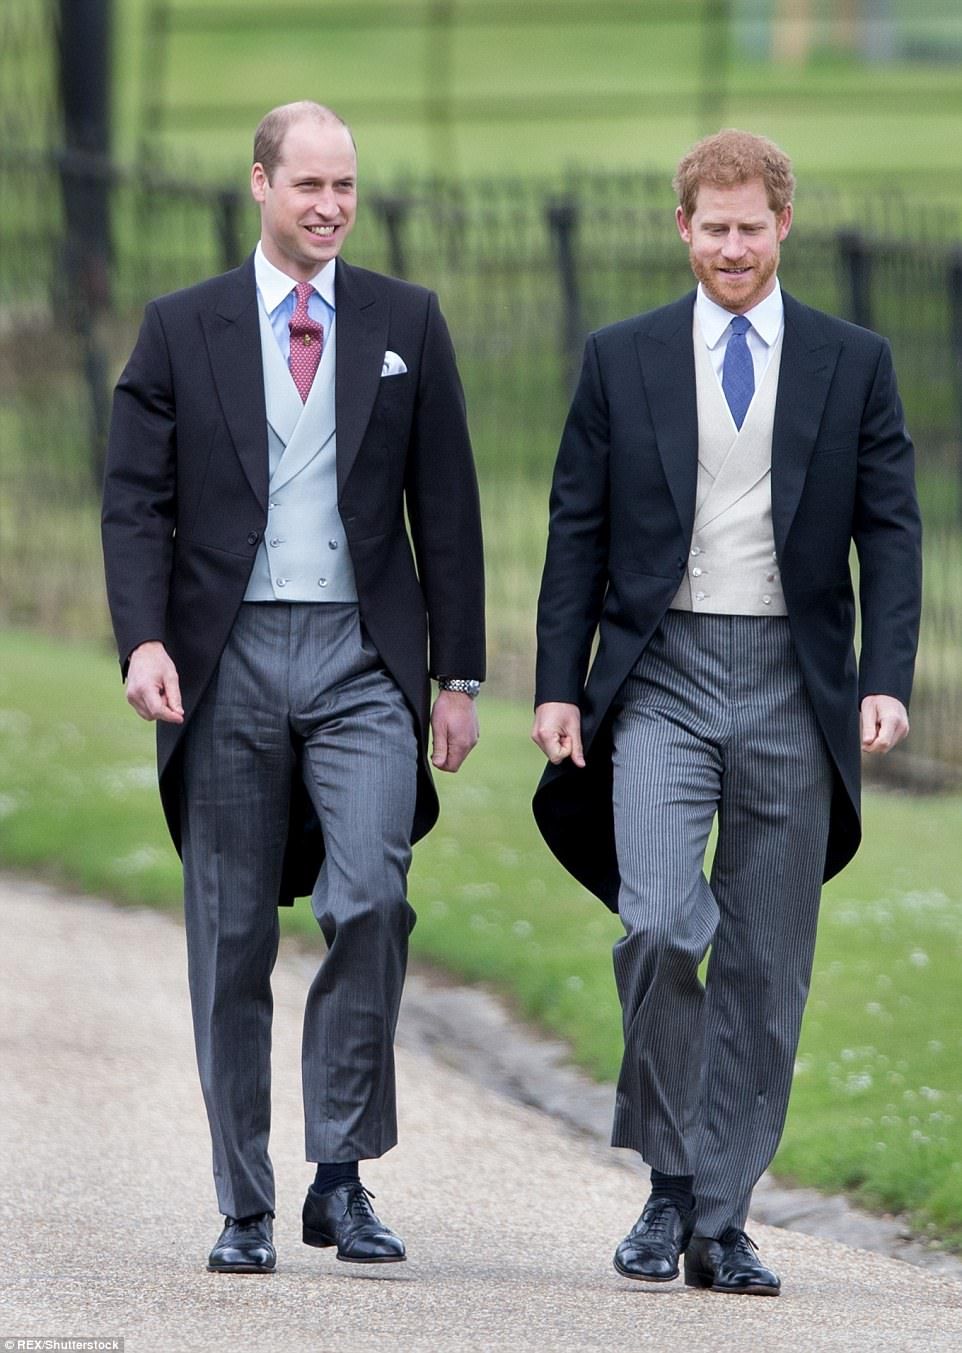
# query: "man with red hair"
[[721, 455]]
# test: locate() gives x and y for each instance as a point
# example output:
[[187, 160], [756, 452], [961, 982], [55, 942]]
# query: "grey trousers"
[[297, 684], [715, 721]]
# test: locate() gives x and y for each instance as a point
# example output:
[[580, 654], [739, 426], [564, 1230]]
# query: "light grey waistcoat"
[[732, 565], [303, 555]]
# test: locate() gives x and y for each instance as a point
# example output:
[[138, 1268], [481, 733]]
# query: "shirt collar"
[[765, 318], [275, 286]]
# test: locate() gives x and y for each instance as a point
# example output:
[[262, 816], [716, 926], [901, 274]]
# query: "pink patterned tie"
[[307, 342]]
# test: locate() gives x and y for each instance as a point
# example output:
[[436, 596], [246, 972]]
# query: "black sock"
[[675, 1187], [329, 1177]]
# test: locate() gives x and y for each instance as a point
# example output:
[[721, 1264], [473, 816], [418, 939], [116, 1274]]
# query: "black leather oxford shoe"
[[345, 1218], [246, 1245], [729, 1264], [651, 1248]]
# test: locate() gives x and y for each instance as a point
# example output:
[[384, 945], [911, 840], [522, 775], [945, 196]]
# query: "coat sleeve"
[[888, 538], [576, 563], [138, 516], [441, 494]]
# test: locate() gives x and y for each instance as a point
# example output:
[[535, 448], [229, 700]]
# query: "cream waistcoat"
[[732, 566]]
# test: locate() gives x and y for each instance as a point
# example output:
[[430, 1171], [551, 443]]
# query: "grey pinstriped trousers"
[[715, 719], [297, 682]]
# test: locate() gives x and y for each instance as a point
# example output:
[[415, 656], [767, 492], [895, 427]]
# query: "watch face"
[[464, 685]]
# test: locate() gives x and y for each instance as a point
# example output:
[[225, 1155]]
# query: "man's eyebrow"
[[321, 178], [746, 221]]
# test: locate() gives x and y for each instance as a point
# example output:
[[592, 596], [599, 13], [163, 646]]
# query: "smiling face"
[[733, 241], [308, 210]]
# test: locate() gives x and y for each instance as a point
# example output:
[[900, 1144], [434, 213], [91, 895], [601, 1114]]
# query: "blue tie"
[[738, 373]]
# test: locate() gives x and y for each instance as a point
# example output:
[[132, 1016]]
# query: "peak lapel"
[[284, 406], [667, 358], [808, 363], [233, 343], [362, 324]]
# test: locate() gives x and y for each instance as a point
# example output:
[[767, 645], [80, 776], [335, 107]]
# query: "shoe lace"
[[358, 1204], [742, 1243], [247, 1223], [657, 1219]]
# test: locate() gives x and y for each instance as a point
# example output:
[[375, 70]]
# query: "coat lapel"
[[233, 343], [808, 363], [284, 406], [362, 326], [667, 357]]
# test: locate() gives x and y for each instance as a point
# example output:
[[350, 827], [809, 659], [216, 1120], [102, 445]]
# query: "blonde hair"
[[274, 126], [730, 158]]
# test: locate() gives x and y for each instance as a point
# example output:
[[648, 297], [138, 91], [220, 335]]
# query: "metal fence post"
[[856, 265], [562, 217], [955, 348], [227, 210], [392, 212], [84, 42]]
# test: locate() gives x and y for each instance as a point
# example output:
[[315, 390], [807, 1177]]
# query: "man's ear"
[[259, 183], [784, 222], [684, 226]]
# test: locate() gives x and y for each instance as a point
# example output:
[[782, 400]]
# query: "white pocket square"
[[393, 365]]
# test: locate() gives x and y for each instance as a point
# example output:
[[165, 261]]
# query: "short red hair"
[[730, 158]]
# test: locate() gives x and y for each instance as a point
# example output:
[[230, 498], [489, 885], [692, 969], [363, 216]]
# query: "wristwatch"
[[466, 685]]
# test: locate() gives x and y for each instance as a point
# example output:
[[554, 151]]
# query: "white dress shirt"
[[766, 319]]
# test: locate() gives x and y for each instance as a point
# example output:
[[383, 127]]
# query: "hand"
[[153, 687], [454, 729], [885, 722], [557, 731]]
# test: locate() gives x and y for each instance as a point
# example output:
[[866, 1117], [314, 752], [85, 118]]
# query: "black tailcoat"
[[185, 500], [622, 514]]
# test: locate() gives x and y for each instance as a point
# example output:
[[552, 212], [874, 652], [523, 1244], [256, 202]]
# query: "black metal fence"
[[524, 271]]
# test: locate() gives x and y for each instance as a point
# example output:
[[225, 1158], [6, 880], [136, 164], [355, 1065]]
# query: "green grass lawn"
[[587, 89], [877, 1105]]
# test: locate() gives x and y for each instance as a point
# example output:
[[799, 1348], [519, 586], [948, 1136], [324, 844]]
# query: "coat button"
[[252, 538], [696, 572], [767, 601], [322, 582], [281, 582], [332, 544]]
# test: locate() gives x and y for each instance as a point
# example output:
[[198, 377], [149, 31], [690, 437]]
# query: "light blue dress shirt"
[[276, 292]]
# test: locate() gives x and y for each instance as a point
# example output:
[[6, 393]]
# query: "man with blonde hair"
[[271, 433], [721, 455]]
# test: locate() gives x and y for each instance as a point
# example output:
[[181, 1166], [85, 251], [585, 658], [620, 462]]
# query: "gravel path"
[[509, 1218]]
